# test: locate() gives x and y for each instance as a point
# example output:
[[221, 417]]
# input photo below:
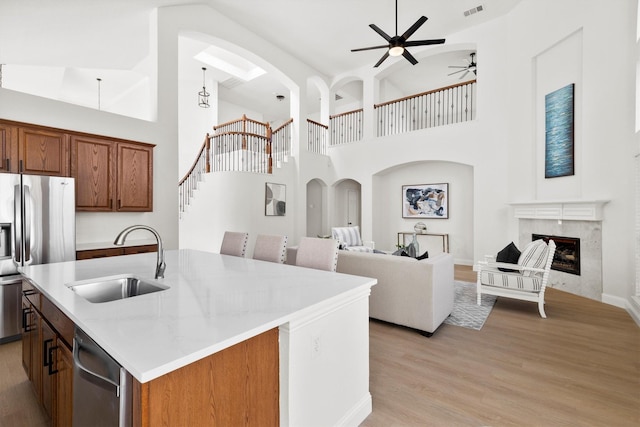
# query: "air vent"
[[338, 97], [474, 10]]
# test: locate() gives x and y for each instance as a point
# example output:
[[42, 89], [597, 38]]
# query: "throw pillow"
[[509, 254], [534, 255], [425, 255]]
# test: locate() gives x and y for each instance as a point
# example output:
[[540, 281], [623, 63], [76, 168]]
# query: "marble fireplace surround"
[[570, 218]]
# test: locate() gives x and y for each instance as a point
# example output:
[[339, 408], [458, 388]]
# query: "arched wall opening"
[[316, 207], [346, 203], [387, 200]]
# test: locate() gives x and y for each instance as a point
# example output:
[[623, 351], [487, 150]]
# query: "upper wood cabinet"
[[111, 175], [8, 148], [43, 152], [135, 177], [93, 163]]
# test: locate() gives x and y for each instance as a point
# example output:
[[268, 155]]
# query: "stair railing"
[[281, 143], [189, 182]]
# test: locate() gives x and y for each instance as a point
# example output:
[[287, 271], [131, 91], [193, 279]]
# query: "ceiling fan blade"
[[414, 27], [462, 76], [409, 57], [386, 46], [456, 72], [379, 31], [424, 42], [385, 56], [457, 66]]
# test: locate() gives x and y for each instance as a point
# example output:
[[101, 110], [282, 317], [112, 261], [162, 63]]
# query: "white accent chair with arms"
[[349, 239], [526, 280]]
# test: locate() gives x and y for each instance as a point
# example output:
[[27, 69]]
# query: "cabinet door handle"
[[46, 354], [110, 203], [8, 165], [50, 354], [25, 314], [28, 292]]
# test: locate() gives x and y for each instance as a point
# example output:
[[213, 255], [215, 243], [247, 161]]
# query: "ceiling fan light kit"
[[397, 44]]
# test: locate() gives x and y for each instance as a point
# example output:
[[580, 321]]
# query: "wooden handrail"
[[422, 94], [206, 145], [242, 119], [317, 123], [346, 113], [288, 122], [236, 132]]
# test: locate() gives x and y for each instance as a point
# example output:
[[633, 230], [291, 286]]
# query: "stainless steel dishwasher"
[[101, 387]]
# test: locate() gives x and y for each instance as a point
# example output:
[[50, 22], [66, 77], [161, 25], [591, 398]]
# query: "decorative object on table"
[[275, 199], [559, 134], [413, 248], [466, 312], [425, 201], [420, 227]]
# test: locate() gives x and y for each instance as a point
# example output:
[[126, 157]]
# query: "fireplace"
[[567, 256]]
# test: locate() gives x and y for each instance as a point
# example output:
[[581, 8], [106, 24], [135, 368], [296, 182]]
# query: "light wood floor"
[[578, 367]]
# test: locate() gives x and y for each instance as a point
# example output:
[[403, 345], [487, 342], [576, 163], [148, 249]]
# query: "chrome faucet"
[[160, 266]]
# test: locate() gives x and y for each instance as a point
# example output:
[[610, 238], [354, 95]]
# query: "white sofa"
[[412, 293]]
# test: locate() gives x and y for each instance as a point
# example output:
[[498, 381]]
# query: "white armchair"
[[349, 239], [527, 279]]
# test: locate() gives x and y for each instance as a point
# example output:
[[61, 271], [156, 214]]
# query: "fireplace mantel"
[[566, 210]]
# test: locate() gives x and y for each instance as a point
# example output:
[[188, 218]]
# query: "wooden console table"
[[445, 238]]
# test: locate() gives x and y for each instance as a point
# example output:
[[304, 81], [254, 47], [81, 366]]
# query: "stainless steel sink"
[[114, 288]]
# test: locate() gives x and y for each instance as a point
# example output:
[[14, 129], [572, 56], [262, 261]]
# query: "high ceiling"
[[113, 36]]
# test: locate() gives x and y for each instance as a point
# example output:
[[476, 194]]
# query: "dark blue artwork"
[[558, 156]]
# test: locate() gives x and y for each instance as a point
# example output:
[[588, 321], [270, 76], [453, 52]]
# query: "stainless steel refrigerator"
[[37, 226]]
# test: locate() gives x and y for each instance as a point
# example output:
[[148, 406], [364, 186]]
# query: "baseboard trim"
[[358, 413]]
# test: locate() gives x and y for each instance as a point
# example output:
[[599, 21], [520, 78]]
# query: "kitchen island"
[[218, 309]]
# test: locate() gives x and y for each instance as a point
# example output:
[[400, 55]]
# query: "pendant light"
[[203, 95]]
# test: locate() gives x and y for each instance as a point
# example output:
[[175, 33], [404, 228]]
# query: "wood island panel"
[[238, 386]]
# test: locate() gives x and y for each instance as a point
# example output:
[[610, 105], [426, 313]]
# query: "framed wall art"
[[425, 201], [275, 199], [558, 133]]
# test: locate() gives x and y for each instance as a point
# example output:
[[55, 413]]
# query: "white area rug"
[[466, 312]]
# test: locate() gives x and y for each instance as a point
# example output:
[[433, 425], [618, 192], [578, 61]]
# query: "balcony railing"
[[346, 127], [451, 104], [317, 138]]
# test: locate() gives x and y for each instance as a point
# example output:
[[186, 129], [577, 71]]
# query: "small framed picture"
[[425, 201], [275, 199]]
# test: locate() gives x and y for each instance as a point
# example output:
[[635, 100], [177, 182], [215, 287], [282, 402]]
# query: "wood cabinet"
[[135, 177], [107, 252], [46, 355], [43, 152], [235, 386], [112, 175], [8, 148], [33, 150], [93, 167]]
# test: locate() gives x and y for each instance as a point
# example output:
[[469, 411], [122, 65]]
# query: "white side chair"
[[321, 254], [349, 239], [270, 248], [234, 243], [528, 279]]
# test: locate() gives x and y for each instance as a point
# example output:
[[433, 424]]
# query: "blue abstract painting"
[[559, 151]]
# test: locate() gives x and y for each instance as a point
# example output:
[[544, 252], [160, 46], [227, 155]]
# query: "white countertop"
[[213, 302]]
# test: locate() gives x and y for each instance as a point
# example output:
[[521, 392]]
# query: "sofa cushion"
[[534, 255], [347, 236], [509, 254], [511, 280]]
